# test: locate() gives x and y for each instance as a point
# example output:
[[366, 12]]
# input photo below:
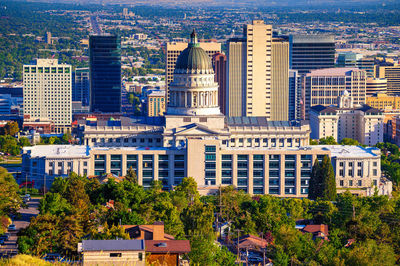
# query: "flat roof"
[[259, 121], [348, 151], [57, 151], [112, 245], [337, 71]]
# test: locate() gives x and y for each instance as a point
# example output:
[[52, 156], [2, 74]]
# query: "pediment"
[[195, 130]]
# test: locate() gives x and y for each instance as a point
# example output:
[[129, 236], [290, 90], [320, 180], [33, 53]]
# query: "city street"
[[9, 248]]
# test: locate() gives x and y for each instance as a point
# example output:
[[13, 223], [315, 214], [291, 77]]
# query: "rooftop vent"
[[162, 245]]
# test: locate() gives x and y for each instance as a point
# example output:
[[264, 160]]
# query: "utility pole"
[[220, 213], [262, 238], [237, 244]]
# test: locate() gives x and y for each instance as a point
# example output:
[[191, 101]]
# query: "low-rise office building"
[[283, 172]]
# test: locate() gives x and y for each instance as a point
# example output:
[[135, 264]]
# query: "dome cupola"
[[193, 60], [193, 90]]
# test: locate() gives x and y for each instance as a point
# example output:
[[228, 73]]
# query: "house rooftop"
[[113, 245], [168, 246]]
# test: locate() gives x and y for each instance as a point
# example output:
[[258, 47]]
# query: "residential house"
[[112, 252]]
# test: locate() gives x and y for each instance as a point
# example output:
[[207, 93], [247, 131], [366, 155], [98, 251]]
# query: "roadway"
[[95, 25], [9, 248]]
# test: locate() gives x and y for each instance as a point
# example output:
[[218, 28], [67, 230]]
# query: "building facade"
[[279, 80], [364, 124], [81, 87], [105, 73], [155, 103], [392, 75], [47, 93], [219, 65], [322, 87], [309, 52], [295, 95], [283, 172], [375, 86], [236, 78], [351, 59]]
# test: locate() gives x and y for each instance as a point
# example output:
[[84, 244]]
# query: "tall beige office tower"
[[174, 49], [258, 87], [236, 77], [47, 93], [252, 72], [280, 80]]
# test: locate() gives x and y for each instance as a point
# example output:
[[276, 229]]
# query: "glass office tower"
[[309, 52], [105, 73]]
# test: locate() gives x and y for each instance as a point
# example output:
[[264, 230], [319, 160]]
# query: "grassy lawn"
[[10, 159]]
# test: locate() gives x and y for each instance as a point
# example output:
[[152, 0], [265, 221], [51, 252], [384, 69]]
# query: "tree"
[[328, 141], [349, 141], [107, 233], [11, 128], [24, 142], [328, 180], [314, 187], [131, 176]]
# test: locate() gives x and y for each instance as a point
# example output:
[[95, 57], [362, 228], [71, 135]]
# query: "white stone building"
[[365, 124], [47, 93]]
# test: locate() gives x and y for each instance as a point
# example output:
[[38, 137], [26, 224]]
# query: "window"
[[374, 172], [350, 172], [350, 183], [359, 183], [60, 164], [341, 183], [116, 255], [341, 164]]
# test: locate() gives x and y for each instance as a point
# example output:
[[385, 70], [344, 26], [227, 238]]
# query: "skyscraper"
[[105, 73], [47, 93], [236, 79], [249, 71], [280, 80], [308, 52], [258, 68], [295, 95], [173, 50], [219, 65], [81, 86]]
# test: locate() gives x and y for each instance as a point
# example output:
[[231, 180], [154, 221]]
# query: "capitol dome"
[[193, 59], [193, 90]]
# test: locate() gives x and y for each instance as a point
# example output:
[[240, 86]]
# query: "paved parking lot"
[[9, 248]]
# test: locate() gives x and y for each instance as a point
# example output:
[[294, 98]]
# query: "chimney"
[[158, 231]]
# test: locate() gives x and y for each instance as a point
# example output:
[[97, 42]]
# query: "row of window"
[[47, 70]]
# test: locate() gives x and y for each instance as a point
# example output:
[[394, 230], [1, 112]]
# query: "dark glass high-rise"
[[105, 73]]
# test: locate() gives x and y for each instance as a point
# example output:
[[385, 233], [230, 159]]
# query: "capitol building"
[[194, 139]]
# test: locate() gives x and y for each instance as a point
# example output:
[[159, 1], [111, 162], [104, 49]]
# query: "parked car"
[[27, 197], [1, 241], [53, 257], [12, 227], [6, 236]]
